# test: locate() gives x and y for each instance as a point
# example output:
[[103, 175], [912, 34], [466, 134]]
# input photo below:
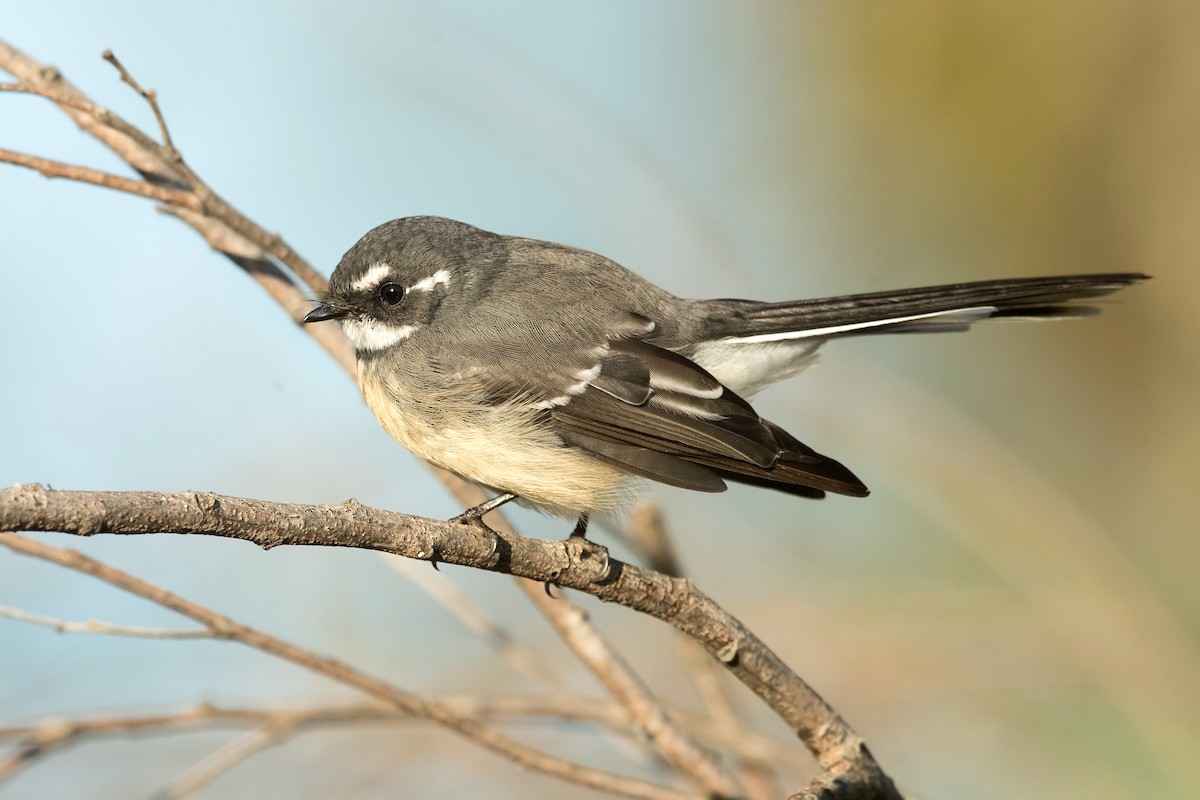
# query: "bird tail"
[[952, 307]]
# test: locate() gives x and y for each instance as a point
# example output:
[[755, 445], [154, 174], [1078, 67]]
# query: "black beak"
[[323, 312]]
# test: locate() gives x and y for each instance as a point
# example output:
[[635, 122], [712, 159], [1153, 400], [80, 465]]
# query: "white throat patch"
[[371, 334]]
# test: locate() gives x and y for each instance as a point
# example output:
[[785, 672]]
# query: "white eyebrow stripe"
[[370, 334], [426, 284], [371, 278]]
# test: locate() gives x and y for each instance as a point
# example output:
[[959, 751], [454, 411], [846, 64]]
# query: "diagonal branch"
[[225, 758], [647, 532], [225, 628], [57, 169]]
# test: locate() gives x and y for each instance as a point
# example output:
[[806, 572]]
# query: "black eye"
[[391, 293]]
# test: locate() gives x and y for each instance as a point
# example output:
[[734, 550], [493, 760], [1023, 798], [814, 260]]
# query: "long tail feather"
[[934, 308]]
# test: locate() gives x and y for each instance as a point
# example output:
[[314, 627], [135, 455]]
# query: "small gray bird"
[[555, 375]]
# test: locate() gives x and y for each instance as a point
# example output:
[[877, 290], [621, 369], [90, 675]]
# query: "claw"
[[605, 570]]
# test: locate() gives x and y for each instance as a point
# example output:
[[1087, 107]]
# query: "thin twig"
[[555, 707], [149, 95], [40, 739], [147, 156], [57, 169], [125, 140], [223, 759], [99, 626]]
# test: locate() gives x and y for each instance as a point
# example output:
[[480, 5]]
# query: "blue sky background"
[[1012, 613]]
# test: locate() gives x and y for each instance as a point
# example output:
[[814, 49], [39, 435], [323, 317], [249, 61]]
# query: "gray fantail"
[[555, 375]]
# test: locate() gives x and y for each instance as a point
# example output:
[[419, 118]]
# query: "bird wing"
[[599, 385], [658, 414]]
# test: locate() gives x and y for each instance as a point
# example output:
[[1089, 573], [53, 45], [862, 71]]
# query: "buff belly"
[[499, 447]]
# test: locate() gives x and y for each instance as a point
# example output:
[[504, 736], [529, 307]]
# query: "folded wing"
[[657, 414]]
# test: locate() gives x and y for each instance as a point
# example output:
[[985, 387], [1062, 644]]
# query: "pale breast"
[[498, 446]]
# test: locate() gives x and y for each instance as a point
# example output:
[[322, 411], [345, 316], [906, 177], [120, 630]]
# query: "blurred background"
[[1012, 613]]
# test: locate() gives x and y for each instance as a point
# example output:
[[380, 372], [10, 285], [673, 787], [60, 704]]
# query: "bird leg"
[[475, 513], [581, 527]]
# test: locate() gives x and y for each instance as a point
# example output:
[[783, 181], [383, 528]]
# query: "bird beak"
[[323, 312]]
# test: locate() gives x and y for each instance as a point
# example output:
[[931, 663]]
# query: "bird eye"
[[391, 293]]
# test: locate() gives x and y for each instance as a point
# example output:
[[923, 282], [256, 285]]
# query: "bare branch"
[[555, 707], [99, 626], [648, 534], [42, 738], [226, 628], [125, 140], [838, 749], [156, 163], [57, 169], [677, 747], [223, 759]]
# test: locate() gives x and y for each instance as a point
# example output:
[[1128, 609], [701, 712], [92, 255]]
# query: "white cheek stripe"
[[957, 315], [370, 334], [426, 284], [371, 278]]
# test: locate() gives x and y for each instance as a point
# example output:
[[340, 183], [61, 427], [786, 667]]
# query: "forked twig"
[[149, 95]]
